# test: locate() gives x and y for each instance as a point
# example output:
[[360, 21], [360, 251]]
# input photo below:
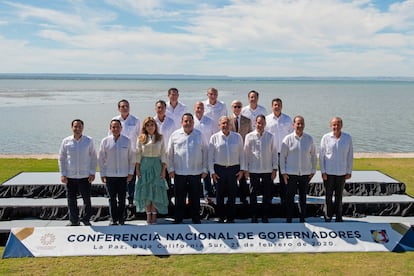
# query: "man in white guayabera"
[[131, 128], [335, 159], [77, 166]]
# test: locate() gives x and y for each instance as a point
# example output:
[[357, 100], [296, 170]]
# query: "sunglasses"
[[237, 106]]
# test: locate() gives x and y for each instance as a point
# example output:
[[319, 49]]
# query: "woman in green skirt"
[[151, 187]]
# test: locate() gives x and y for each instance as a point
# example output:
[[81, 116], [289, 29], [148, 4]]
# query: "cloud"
[[263, 37], [152, 9], [74, 19], [140, 7], [403, 16]]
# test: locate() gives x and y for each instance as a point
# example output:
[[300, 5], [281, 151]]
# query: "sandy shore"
[[30, 156], [384, 155], [356, 155]]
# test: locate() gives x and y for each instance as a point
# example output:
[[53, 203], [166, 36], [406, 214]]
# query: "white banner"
[[208, 238]]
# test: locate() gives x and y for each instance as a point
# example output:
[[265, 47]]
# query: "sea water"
[[36, 112]]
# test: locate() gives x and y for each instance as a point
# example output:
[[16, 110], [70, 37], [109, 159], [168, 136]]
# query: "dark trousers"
[[131, 188], [334, 184], [281, 187], [73, 187], [226, 185], [261, 182], [208, 189], [183, 185], [296, 183], [243, 189], [170, 191], [116, 188]]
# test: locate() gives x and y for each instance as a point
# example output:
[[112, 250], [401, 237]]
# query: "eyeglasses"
[[237, 106]]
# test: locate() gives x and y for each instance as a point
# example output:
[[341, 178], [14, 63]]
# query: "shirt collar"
[[73, 137]]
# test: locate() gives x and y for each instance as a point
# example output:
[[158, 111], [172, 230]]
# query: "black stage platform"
[[38, 199], [41, 196]]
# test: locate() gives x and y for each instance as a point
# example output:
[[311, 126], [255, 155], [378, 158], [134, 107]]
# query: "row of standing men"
[[186, 148]]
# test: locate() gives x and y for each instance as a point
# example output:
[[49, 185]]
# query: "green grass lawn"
[[10, 167], [372, 263], [229, 264]]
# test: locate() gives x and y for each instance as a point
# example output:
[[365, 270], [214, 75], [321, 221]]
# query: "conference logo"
[[380, 236], [47, 239]]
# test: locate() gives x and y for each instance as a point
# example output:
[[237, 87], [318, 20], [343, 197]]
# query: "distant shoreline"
[[74, 76], [356, 155]]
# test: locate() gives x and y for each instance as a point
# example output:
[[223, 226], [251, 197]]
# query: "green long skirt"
[[150, 187]]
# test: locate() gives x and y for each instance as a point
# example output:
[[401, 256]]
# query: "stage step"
[[40, 195], [354, 206]]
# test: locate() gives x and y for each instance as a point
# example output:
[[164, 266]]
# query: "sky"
[[263, 38]]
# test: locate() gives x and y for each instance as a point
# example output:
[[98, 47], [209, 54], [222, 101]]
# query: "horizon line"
[[122, 76]]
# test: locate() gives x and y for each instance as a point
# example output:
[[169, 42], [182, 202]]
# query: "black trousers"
[[131, 187], [117, 188], [226, 186], [170, 191], [261, 182], [334, 185], [73, 187], [281, 187], [243, 189], [187, 185], [296, 183], [208, 189]]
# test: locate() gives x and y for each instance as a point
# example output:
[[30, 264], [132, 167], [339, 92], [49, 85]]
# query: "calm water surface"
[[36, 113]]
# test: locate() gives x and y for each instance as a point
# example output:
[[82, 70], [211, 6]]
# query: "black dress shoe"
[[177, 221], [288, 220], [230, 221], [327, 220], [196, 222], [113, 223], [254, 220], [339, 220], [221, 220], [265, 220], [302, 220], [73, 224]]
